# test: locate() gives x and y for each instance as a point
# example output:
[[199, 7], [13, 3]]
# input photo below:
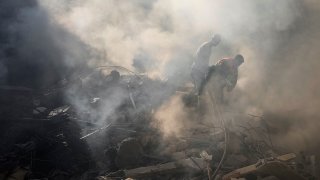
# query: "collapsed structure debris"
[[195, 164], [271, 166], [58, 142]]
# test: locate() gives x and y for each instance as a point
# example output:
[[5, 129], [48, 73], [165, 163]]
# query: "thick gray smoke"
[[277, 38], [34, 51]]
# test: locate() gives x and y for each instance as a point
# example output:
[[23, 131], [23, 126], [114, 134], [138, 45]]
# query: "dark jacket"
[[228, 69]]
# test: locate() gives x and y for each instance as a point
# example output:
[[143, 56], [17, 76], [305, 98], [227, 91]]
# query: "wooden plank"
[[196, 164]]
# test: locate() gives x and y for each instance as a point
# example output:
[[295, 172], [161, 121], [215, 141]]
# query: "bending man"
[[225, 74]]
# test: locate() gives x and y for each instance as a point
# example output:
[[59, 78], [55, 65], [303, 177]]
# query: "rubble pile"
[[45, 136]]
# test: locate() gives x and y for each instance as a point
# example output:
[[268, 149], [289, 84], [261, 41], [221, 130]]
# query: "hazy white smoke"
[[171, 118], [169, 32], [277, 38], [120, 30]]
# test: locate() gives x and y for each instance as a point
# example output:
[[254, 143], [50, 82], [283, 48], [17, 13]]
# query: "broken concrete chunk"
[[58, 111]]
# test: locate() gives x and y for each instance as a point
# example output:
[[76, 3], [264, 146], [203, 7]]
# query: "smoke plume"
[[279, 40]]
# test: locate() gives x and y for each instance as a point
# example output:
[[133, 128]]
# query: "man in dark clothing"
[[225, 74]]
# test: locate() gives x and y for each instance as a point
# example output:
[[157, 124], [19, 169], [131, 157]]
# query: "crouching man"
[[224, 75]]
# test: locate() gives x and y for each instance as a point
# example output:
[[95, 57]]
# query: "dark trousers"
[[198, 78]]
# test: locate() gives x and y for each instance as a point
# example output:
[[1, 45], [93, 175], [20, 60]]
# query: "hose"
[[217, 108]]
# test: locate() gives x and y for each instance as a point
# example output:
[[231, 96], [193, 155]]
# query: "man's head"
[[239, 59], [216, 39]]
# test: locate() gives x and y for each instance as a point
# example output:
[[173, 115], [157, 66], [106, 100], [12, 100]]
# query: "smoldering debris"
[[132, 140], [68, 111]]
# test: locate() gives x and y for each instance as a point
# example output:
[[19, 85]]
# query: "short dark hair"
[[239, 58]]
